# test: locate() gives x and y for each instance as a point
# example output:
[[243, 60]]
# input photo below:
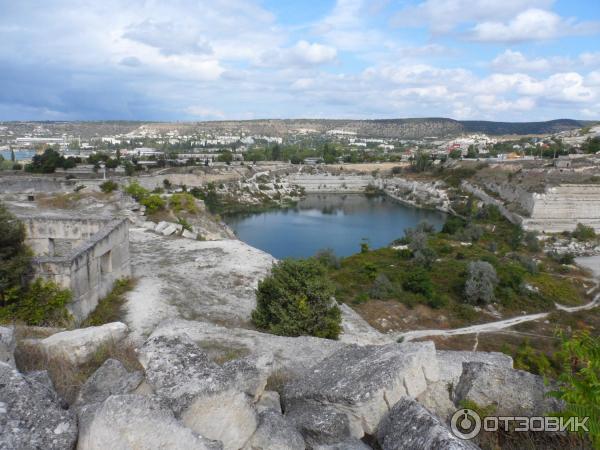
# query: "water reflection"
[[336, 221]]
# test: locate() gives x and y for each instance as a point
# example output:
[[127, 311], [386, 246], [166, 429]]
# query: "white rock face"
[[189, 235], [291, 355], [356, 330], [227, 416], [438, 395], [209, 281], [79, 346], [512, 392], [363, 382], [134, 422]]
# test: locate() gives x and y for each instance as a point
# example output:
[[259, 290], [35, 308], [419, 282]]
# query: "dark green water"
[[336, 221]]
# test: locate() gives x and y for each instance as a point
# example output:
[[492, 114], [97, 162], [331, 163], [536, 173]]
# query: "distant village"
[[148, 146]]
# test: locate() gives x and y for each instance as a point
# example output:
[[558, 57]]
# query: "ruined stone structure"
[[85, 254]]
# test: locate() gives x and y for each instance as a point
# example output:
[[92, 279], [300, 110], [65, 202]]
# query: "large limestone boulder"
[[320, 424], [132, 422], [511, 392], [410, 426], [274, 433], [7, 345], [179, 371], [111, 378], [79, 346], [438, 397], [30, 415], [363, 382], [226, 416], [292, 355]]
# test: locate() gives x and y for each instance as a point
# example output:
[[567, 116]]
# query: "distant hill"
[[498, 128], [384, 128]]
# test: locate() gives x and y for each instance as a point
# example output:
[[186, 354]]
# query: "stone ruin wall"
[[85, 255]]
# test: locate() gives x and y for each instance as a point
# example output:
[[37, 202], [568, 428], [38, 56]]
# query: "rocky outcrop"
[[360, 384], [112, 378], [227, 416], [438, 397], [77, 347], [7, 346], [410, 426], [132, 422], [274, 432], [31, 416], [320, 424], [511, 392], [291, 355]]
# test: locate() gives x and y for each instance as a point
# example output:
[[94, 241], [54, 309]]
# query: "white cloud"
[[529, 25], [443, 16], [303, 53], [511, 61]]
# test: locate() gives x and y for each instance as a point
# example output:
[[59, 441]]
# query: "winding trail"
[[491, 327]]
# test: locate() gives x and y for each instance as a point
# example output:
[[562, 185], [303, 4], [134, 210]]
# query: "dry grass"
[[69, 378]]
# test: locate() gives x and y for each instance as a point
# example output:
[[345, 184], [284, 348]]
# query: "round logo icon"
[[465, 424]]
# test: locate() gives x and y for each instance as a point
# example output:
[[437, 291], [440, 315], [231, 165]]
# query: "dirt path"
[[494, 326]]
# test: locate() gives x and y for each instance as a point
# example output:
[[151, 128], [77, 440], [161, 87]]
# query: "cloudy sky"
[[241, 59]]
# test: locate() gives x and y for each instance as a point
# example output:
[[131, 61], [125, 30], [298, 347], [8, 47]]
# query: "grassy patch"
[[67, 378], [110, 308]]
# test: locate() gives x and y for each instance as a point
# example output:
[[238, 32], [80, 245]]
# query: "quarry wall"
[[561, 208], [84, 255]]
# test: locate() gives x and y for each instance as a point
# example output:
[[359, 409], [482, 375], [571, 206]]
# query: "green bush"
[[579, 381], [15, 257], [418, 281], [42, 303], [453, 224], [153, 203], [183, 202], [136, 191], [109, 186], [297, 299], [584, 233]]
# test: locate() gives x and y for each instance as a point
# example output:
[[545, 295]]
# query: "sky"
[[509, 60]]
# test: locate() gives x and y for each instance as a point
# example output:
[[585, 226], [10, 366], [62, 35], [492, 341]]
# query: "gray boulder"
[[30, 415], [7, 345], [319, 424], [269, 400], [354, 444], [274, 433], [410, 426], [512, 392], [111, 378], [363, 382], [226, 416], [79, 346], [438, 397], [132, 422], [179, 371], [292, 354]]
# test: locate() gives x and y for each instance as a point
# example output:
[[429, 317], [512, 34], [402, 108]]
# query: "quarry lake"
[[336, 221]]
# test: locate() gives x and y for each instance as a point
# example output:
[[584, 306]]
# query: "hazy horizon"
[[195, 60]]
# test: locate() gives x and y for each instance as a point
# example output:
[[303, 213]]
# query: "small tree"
[[584, 233], [109, 186], [297, 299], [418, 281], [15, 257], [481, 282]]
